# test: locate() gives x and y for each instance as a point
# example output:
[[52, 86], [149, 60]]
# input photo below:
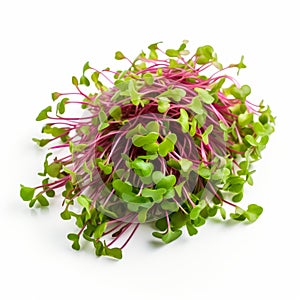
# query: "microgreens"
[[158, 142]]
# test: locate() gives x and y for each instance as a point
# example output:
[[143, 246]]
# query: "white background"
[[44, 43]]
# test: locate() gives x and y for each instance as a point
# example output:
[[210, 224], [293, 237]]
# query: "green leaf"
[[263, 119], [116, 112], [140, 141], [148, 156], [32, 202], [84, 202], [245, 118], [73, 174], [100, 229], [240, 93], [217, 64], [153, 55], [259, 129], [50, 193], [177, 219], [250, 180], [151, 147], [193, 127], [241, 65], [95, 77], [86, 67], [173, 64], [253, 212], [102, 126], [200, 119], [152, 126], [166, 182], [42, 200], [178, 188], [264, 140], [54, 131], [222, 212], [102, 117], [142, 215], [174, 164], [238, 197], [191, 229], [170, 193], [27, 193], [149, 79], [183, 45], [146, 180], [205, 96], [139, 129], [163, 104], [76, 246], [79, 221], [236, 188], [185, 164], [158, 235], [135, 203], [170, 206], [54, 169], [55, 96], [121, 186], [196, 105], [204, 54], [113, 252], [77, 148], [172, 138], [74, 81], [205, 134], [204, 172], [195, 212], [61, 106], [88, 171], [218, 85], [43, 115], [212, 211], [157, 176], [171, 236], [161, 224], [146, 168], [106, 168], [156, 195], [184, 120], [84, 80], [172, 53], [133, 93], [199, 222], [251, 140], [167, 145], [42, 142], [65, 215], [107, 212], [73, 237], [85, 129], [176, 94], [119, 55], [220, 174], [98, 248], [238, 215], [154, 46]]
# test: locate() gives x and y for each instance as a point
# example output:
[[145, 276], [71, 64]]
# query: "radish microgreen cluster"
[[171, 140]]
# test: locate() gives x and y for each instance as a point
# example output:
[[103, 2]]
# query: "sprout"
[[161, 142]]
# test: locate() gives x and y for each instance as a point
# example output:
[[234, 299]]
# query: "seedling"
[[170, 140]]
